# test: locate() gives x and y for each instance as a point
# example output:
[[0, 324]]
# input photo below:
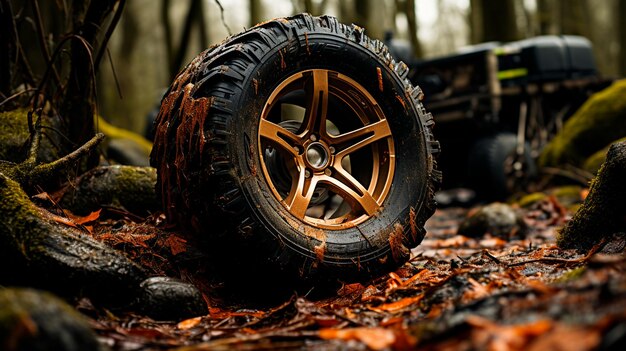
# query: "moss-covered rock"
[[14, 135], [592, 163], [32, 320], [128, 187], [497, 219], [599, 121]]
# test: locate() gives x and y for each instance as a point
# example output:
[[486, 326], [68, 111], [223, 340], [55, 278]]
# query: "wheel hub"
[[317, 156]]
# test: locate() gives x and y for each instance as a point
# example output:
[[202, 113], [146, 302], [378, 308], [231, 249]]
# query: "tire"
[[491, 164], [234, 144]]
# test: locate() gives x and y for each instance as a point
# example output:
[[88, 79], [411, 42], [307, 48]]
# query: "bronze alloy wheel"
[[298, 147], [324, 188]]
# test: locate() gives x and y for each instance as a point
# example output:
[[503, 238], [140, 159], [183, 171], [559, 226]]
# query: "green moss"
[[571, 275], [592, 163], [599, 121], [14, 135], [129, 187], [16, 213], [530, 199], [567, 195]]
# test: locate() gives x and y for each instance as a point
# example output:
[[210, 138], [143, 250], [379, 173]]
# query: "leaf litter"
[[455, 293]]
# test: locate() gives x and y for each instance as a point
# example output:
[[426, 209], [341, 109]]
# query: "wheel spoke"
[[351, 190], [279, 136], [362, 137], [301, 193], [316, 90]]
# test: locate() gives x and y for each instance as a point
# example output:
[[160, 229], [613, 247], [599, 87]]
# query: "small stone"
[[497, 219], [165, 298]]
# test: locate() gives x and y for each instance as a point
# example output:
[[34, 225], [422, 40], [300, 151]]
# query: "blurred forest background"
[[155, 38]]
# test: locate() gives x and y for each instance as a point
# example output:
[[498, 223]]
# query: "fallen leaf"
[[176, 244], [86, 219], [398, 305], [374, 338], [189, 323]]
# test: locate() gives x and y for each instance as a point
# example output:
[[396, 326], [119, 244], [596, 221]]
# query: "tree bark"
[[604, 211], [546, 17], [256, 12], [78, 105], [574, 18], [621, 20], [409, 11], [494, 21]]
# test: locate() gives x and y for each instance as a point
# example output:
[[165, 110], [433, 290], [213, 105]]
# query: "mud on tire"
[[298, 145]]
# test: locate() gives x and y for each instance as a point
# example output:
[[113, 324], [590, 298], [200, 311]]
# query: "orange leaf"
[[176, 244], [398, 305], [88, 218], [189, 323], [374, 338]]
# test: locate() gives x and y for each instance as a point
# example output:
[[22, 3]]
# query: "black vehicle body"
[[489, 93]]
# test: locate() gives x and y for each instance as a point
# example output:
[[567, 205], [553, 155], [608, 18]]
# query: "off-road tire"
[[489, 162], [210, 176]]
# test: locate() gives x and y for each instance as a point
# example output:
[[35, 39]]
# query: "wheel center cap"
[[317, 156]]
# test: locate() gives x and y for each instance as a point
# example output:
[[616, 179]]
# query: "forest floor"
[[456, 293]]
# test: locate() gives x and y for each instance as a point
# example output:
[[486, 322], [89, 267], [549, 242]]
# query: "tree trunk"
[[409, 11], [7, 48], [604, 211], [78, 106], [621, 20], [256, 12], [546, 17], [574, 17], [494, 21]]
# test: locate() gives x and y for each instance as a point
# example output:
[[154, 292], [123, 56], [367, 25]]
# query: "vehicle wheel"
[[300, 144], [495, 170]]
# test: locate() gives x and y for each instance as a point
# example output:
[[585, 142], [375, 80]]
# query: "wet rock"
[[165, 298], [127, 152], [32, 320], [497, 219]]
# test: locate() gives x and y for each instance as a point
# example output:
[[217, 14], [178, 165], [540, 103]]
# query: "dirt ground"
[[456, 293]]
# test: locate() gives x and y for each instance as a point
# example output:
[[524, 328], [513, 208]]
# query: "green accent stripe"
[[512, 73]]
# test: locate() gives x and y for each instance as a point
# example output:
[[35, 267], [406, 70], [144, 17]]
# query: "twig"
[[109, 32], [491, 257], [16, 95], [558, 260], [117, 82], [219, 4], [31, 158], [42, 41], [73, 157], [583, 179]]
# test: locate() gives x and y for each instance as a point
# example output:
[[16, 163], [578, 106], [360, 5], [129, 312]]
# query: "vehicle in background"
[[496, 105]]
